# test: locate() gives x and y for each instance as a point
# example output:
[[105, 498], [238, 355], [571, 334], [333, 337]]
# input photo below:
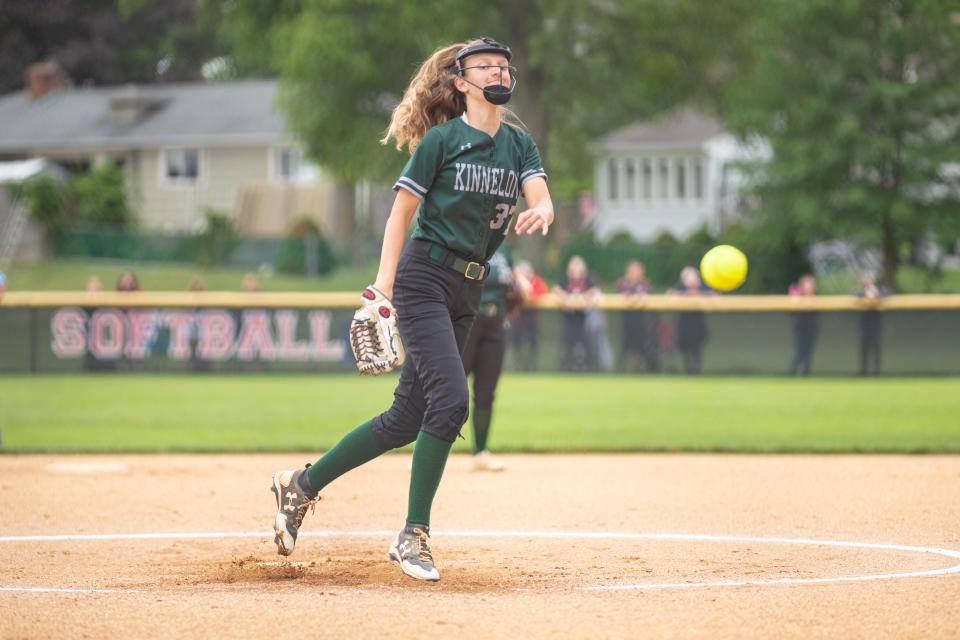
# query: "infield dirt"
[[341, 585]]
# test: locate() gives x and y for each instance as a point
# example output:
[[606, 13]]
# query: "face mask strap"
[[499, 95]]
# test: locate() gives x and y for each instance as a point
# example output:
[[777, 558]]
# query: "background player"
[[467, 169], [486, 346]]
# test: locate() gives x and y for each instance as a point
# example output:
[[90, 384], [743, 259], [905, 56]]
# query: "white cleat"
[[292, 505], [484, 461]]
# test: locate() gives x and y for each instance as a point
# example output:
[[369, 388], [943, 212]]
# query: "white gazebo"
[[672, 174]]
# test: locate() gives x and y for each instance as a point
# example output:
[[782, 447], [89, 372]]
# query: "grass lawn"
[[67, 275], [533, 413], [909, 280], [72, 275]]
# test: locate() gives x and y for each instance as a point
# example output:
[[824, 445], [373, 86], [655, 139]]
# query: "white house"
[[671, 174], [183, 147]]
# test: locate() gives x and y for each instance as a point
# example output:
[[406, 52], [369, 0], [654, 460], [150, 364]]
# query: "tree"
[[250, 31], [859, 101], [103, 41], [584, 67]]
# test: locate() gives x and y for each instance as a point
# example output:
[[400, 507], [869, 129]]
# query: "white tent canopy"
[[21, 170]]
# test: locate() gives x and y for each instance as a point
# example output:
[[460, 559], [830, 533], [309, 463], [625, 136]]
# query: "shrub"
[[96, 199], [46, 200], [218, 239], [292, 257], [100, 198], [773, 264]]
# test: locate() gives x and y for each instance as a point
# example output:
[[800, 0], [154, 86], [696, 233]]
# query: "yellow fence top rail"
[[350, 300]]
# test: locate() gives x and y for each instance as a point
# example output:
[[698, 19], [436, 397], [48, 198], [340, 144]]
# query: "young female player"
[[467, 169]]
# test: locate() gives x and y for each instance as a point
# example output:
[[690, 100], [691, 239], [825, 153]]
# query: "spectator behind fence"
[[598, 342], [871, 326], [128, 282], [525, 327], [3, 283], [639, 336], [197, 285], [806, 327], [250, 284], [691, 332], [577, 292], [90, 363]]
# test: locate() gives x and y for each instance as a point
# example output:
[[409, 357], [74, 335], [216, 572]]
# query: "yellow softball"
[[724, 267]]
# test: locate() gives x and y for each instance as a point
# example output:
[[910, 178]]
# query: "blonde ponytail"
[[432, 99]]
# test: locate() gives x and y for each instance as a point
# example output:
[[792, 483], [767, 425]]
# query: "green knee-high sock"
[[354, 449], [481, 428], [429, 458]]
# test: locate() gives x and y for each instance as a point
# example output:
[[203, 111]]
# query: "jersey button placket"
[[488, 200], [482, 234], [491, 206]]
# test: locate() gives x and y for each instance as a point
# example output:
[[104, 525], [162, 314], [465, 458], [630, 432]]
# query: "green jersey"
[[469, 183]]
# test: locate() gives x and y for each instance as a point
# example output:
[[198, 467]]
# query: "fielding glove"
[[374, 338]]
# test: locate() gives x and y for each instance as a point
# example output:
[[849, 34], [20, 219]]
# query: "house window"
[[612, 182], [664, 179], [286, 164], [630, 191], [182, 165], [647, 180], [681, 170], [698, 179]]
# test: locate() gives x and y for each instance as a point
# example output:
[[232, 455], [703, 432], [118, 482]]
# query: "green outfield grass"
[[533, 413], [59, 275], [909, 280], [72, 275]]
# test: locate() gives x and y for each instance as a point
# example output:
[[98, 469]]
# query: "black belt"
[[469, 270]]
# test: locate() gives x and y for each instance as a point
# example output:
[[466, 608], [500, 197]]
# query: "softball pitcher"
[[467, 169]]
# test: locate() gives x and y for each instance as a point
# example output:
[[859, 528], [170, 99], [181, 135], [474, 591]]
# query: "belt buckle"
[[474, 271]]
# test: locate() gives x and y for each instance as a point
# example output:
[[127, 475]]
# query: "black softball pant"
[[436, 307], [483, 357]]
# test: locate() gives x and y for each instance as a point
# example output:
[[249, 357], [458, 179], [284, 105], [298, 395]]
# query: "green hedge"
[[770, 271], [207, 249]]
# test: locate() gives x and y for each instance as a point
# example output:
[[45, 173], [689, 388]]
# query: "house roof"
[[683, 128], [141, 116]]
